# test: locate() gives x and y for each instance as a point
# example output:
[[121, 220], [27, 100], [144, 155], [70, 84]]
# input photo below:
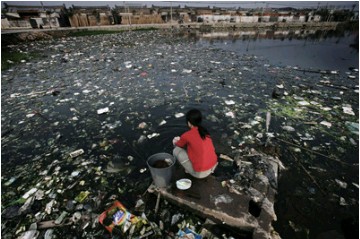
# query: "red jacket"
[[201, 152]]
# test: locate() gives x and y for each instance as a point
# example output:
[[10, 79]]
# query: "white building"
[[228, 19], [313, 18], [285, 19], [214, 18], [249, 19], [265, 18]]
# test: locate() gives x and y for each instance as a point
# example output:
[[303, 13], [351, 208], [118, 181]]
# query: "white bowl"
[[183, 183]]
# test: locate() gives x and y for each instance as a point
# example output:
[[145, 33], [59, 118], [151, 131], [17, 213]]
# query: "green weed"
[[9, 58], [91, 33], [104, 32]]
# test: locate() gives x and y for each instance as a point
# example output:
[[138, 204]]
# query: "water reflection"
[[258, 34], [305, 48], [262, 34]]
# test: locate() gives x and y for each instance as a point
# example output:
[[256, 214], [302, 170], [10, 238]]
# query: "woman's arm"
[[181, 142], [175, 140]]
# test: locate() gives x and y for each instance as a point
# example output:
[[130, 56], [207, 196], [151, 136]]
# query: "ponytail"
[[194, 117], [203, 132]]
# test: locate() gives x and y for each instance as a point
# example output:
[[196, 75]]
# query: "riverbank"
[[280, 25], [16, 36]]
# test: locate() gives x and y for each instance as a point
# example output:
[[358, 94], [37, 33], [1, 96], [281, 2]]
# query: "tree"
[[324, 13], [341, 16]]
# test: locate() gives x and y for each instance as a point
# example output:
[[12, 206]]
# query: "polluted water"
[[162, 163], [76, 133]]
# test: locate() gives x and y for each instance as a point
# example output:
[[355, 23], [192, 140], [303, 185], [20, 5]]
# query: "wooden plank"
[[66, 222], [244, 222]]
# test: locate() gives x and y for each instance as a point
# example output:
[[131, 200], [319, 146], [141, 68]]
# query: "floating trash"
[[229, 102], [341, 183], [75, 174], [10, 181], [162, 122], [39, 195], [81, 197], [26, 206], [142, 125], [288, 128], [49, 206], [103, 110], [353, 127], [348, 110], [76, 217], [76, 153], [230, 114], [141, 139], [226, 157], [49, 234], [175, 218], [29, 234], [153, 135], [128, 64], [119, 221], [327, 124], [343, 202], [179, 115], [187, 233], [48, 107], [246, 126], [303, 103], [61, 218], [29, 193]]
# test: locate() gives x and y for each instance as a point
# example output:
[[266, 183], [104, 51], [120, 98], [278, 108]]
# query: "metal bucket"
[[161, 176]]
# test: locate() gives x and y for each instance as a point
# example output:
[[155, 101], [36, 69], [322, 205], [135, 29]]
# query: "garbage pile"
[[256, 175], [79, 122]]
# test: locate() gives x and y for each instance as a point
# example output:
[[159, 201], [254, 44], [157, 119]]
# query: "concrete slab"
[[211, 198]]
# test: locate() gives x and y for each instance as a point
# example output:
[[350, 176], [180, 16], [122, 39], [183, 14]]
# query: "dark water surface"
[[304, 212], [151, 77], [315, 49]]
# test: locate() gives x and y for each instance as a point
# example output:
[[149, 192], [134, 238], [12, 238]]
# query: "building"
[[41, 16], [82, 16], [170, 13], [28, 16], [128, 14]]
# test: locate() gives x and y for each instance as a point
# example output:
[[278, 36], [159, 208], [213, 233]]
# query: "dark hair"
[[194, 117]]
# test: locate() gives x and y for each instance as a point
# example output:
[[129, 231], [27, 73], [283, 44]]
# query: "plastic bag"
[[187, 233], [118, 220]]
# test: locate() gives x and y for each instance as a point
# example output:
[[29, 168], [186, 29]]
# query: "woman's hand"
[[177, 138]]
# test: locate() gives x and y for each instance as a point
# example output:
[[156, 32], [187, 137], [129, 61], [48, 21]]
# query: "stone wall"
[[84, 20], [92, 20], [142, 19], [19, 24], [104, 20], [74, 21], [79, 20], [5, 23]]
